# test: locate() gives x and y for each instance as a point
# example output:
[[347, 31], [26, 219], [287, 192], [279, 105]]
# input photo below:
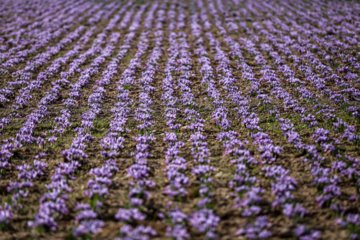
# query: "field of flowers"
[[172, 119]]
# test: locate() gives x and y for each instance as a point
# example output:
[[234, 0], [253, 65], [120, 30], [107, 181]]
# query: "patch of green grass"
[[101, 123], [126, 59]]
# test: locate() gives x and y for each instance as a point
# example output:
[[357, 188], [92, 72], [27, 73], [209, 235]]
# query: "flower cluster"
[[53, 203], [139, 171], [97, 189]]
